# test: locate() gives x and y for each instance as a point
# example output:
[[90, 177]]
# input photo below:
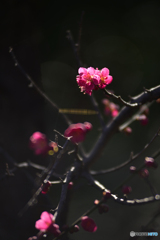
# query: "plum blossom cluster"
[[78, 131], [90, 79], [39, 143]]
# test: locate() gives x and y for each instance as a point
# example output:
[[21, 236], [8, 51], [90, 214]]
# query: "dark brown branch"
[[131, 159], [113, 126]]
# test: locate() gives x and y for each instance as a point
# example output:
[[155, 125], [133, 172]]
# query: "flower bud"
[[88, 224], [149, 162], [126, 189], [46, 187], [75, 228], [144, 173], [106, 195], [132, 169]]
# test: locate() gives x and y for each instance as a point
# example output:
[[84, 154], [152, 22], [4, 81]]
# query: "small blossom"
[[127, 130], [144, 173], [38, 142], [77, 131], [126, 189], [96, 202], [143, 119], [132, 169], [47, 223], [70, 185], [149, 162], [88, 224]]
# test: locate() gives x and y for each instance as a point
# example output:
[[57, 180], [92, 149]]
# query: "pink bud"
[[149, 162], [143, 119], [74, 229], [127, 130], [88, 224], [144, 173], [126, 189], [70, 185], [132, 169], [96, 202], [46, 187]]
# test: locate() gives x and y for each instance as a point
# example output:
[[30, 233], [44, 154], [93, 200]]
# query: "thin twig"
[[113, 126], [120, 99], [27, 76], [131, 159]]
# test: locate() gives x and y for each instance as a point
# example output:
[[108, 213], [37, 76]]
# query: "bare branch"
[[113, 126], [36, 86]]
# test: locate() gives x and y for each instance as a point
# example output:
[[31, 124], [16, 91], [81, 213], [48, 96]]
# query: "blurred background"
[[121, 35]]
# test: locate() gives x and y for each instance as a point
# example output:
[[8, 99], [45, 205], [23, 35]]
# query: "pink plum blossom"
[[38, 142], [90, 79], [77, 131], [105, 77], [88, 224], [47, 223]]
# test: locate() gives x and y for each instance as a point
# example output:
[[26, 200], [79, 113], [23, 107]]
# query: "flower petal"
[[41, 225], [105, 72], [47, 217], [109, 79], [82, 70], [91, 70]]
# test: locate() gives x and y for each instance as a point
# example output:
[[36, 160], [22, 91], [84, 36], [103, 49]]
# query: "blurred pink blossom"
[[38, 142], [77, 131], [88, 224], [47, 223]]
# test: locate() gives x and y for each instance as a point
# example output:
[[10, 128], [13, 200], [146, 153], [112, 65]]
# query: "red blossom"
[[77, 131], [38, 142], [88, 224]]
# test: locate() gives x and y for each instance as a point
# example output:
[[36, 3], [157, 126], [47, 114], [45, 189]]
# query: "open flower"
[[88, 224], [90, 79], [47, 223], [77, 131]]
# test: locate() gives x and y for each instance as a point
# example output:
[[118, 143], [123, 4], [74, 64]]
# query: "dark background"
[[121, 35]]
